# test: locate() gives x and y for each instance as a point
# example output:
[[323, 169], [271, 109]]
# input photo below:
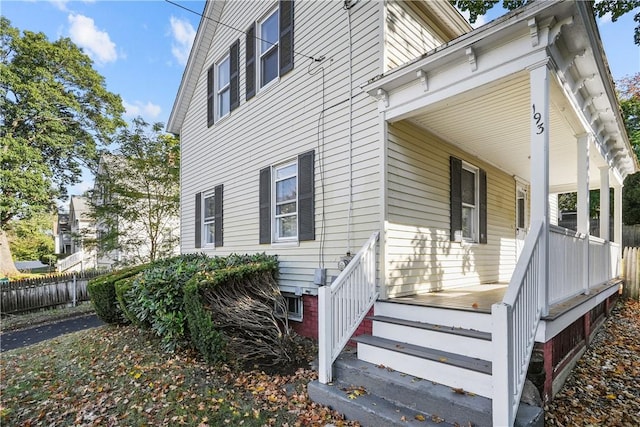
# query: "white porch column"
[[539, 137], [583, 205], [617, 215], [583, 183], [605, 216]]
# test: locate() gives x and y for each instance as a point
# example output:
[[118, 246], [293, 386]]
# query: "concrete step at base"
[[453, 370], [414, 393]]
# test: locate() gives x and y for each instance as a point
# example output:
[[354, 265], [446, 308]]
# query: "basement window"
[[294, 306]]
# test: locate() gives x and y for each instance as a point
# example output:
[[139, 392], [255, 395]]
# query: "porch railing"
[[70, 261], [515, 321], [567, 272], [599, 261], [343, 305]]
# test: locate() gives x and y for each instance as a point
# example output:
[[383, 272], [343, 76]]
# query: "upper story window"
[[269, 48], [268, 39], [223, 87], [223, 83]]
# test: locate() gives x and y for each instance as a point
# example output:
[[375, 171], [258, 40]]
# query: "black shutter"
[[306, 192], [217, 201], [456, 196], [265, 205], [234, 75], [198, 236], [483, 206], [250, 48], [286, 36], [210, 97]]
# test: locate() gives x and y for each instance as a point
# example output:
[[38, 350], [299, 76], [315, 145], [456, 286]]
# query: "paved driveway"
[[25, 337]]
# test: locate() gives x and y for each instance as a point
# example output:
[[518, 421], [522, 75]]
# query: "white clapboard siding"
[[419, 254], [408, 33], [281, 122]]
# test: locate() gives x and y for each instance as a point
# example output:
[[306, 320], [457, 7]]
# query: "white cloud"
[[138, 108], [60, 4], [606, 19], [96, 43], [480, 20], [183, 35]]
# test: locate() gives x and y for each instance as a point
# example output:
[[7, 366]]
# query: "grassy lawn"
[[14, 322], [117, 375]]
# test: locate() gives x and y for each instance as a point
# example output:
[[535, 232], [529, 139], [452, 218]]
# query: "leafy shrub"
[[155, 298], [103, 294], [122, 287]]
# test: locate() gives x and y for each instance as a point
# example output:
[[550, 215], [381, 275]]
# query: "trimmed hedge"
[[122, 287], [238, 314], [103, 294]]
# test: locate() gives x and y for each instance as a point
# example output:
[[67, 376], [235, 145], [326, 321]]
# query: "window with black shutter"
[[210, 96], [287, 198], [468, 202], [234, 75], [250, 61], [208, 214]]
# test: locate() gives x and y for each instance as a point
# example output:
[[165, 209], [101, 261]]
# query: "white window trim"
[[293, 315], [260, 54], [476, 208], [522, 188], [220, 90], [274, 218], [205, 223]]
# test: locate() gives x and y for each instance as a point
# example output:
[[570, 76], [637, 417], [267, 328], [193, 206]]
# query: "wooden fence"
[[34, 294], [631, 235], [631, 272]]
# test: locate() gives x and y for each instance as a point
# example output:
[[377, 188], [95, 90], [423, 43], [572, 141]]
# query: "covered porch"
[[527, 106]]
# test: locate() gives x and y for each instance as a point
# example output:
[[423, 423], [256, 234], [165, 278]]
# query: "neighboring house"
[[62, 234], [321, 127], [79, 226], [130, 244]]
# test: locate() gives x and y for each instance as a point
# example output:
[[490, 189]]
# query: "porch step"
[[393, 397], [454, 318], [467, 342]]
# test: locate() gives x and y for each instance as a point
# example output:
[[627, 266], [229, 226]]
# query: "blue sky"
[[141, 47]]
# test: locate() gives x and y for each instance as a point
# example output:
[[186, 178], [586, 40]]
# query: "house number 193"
[[538, 119]]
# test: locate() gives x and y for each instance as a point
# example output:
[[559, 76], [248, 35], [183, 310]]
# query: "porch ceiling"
[[483, 120]]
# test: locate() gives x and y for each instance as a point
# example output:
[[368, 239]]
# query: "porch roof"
[[474, 92]]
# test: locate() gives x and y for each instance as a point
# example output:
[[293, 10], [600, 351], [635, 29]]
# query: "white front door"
[[522, 223]]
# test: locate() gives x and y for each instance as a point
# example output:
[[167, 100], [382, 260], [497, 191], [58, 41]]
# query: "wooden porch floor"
[[480, 298], [470, 298]]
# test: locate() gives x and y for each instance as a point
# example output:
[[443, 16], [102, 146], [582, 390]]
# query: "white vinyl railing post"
[[325, 332], [502, 338]]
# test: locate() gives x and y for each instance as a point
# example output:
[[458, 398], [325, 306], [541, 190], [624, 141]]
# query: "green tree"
[[629, 94], [135, 201], [56, 112], [617, 8], [32, 239]]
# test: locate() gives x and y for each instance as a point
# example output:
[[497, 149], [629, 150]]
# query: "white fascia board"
[[192, 71]]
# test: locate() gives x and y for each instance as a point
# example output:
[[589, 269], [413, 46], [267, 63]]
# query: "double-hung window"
[[209, 218], [287, 201], [269, 48], [223, 87], [285, 191], [468, 202], [269, 40]]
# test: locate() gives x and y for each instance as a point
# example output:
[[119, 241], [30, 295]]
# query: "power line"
[[236, 29]]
